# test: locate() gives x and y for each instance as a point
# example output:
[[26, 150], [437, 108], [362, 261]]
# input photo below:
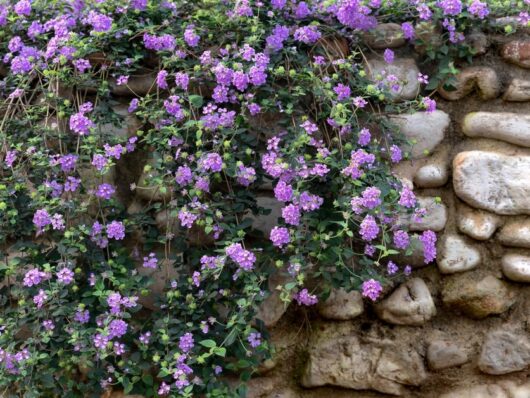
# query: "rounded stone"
[[518, 91], [431, 176], [435, 218], [404, 69], [426, 130], [455, 255], [385, 35], [504, 352], [493, 182], [410, 304], [516, 233], [477, 298], [517, 52], [477, 224], [516, 267], [480, 78], [341, 305], [443, 355], [509, 127]]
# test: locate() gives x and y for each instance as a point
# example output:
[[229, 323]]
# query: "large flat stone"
[[504, 352], [493, 182], [510, 127], [404, 69], [426, 129], [363, 364], [341, 305]]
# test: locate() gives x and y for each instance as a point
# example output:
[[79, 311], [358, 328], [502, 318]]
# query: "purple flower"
[[408, 30], [139, 5], [343, 92], [254, 339], [119, 348], [71, 184], [186, 342], [371, 289], [430, 104], [122, 80], [211, 162], [100, 341], [364, 137], [368, 228], [407, 198], [67, 162], [279, 35], [116, 230], [164, 389], [395, 154], [161, 80], [428, 238], [82, 316], [291, 214], [283, 191], [424, 11], [190, 37], [144, 338], [65, 276], [280, 236], [354, 14], [450, 7], [99, 22], [10, 158], [99, 162], [304, 298], [173, 107], [117, 328], [254, 109], [41, 218], [307, 34], [163, 43], [278, 4], [310, 202], [48, 324], [391, 268], [151, 261], [401, 239], [371, 197], [82, 65], [187, 218], [388, 56], [244, 258], [105, 191], [133, 105], [182, 80], [23, 7], [245, 175], [81, 124], [183, 175], [40, 298], [58, 222], [34, 277]]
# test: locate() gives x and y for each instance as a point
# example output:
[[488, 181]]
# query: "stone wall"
[[459, 328]]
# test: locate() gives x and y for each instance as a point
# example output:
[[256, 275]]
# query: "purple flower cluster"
[[243, 258], [371, 289], [428, 238], [303, 297]]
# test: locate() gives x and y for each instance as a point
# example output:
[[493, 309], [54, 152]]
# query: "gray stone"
[[480, 78], [341, 305], [404, 69], [425, 129], [435, 218], [478, 41], [138, 85], [362, 364], [455, 255], [516, 233], [160, 278], [443, 355], [477, 298], [147, 190], [265, 223], [516, 267], [410, 304], [493, 182], [385, 35], [484, 391], [273, 307], [510, 127], [431, 176], [504, 352], [518, 91], [126, 127], [477, 224]]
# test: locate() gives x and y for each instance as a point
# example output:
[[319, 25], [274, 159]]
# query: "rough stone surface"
[[363, 364], [456, 255], [504, 352], [265, 223], [480, 78], [477, 224], [272, 308], [127, 125], [477, 298], [431, 176], [485, 391], [385, 35], [151, 192], [341, 305], [516, 233], [436, 216], [516, 267], [405, 70], [518, 91], [426, 129], [517, 52], [138, 85], [510, 127], [442, 355], [494, 182], [410, 304]]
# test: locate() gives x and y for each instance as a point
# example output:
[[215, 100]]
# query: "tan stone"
[[404, 69], [509, 127], [504, 352], [341, 305], [477, 298], [477, 224], [385, 35], [518, 91], [517, 52], [516, 233], [456, 255], [516, 267], [443, 354], [480, 78]]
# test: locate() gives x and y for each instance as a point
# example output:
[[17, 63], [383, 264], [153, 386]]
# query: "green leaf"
[[208, 343], [196, 100]]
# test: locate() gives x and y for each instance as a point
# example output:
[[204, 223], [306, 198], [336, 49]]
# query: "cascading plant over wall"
[[138, 137]]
